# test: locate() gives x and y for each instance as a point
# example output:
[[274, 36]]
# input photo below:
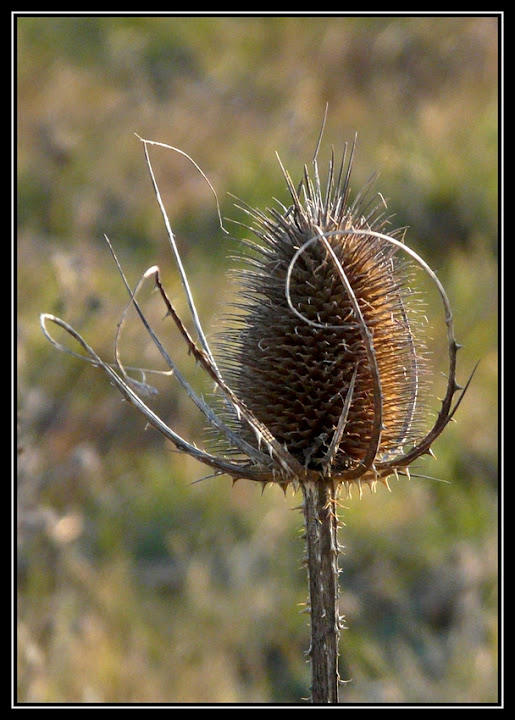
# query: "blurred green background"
[[135, 585]]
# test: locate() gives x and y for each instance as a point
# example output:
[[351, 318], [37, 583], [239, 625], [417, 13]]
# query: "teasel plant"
[[322, 376]]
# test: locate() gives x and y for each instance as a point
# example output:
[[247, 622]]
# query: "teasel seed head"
[[327, 349], [323, 372]]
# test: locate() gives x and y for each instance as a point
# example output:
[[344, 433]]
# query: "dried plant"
[[322, 373]]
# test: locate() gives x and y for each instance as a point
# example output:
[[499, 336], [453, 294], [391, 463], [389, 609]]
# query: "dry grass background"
[[133, 584]]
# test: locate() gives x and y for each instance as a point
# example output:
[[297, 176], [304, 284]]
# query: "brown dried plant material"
[[322, 371]]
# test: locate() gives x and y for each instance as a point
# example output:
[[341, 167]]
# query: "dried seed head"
[[324, 373], [326, 350]]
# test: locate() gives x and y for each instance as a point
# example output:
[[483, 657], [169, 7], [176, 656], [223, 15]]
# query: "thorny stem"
[[322, 565]]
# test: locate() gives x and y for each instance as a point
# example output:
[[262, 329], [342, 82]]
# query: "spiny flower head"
[[326, 350], [323, 370]]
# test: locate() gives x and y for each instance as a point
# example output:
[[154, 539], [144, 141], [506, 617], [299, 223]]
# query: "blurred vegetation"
[[135, 585]]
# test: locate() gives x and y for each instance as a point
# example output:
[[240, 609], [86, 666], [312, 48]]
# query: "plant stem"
[[322, 564]]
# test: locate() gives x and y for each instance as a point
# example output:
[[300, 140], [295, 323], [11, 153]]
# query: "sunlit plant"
[[322, 376]]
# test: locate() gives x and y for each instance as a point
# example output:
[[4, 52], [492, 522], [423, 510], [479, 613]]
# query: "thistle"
[[322, 381]]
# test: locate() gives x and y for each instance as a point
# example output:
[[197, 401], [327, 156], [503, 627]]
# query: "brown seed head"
[[326, 350], [324, 374]]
